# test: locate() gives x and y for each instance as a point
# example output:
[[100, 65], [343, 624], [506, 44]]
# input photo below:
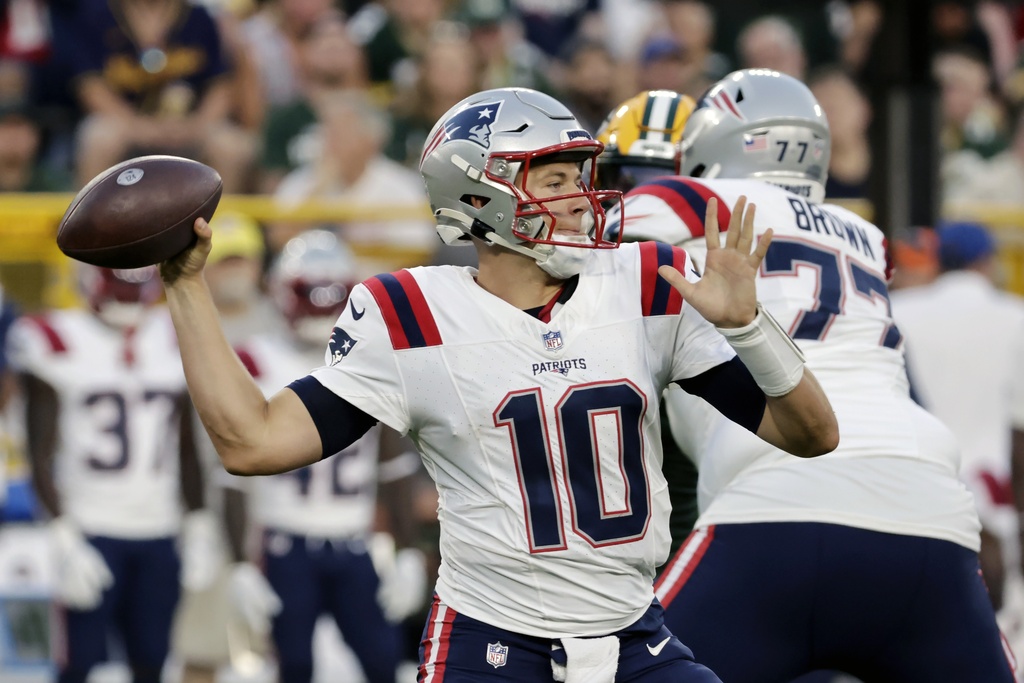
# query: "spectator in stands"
[[692, 24], [20, 136], [447, 71], [588, 83], [273, 35], [352, 168], [972, 118], [955, 27], [152, 77], [392, 32], [771, 42], [329, 61], [962, 331], [549, 25], [507, 58], [664, 64], [849, 114], [998, 180]]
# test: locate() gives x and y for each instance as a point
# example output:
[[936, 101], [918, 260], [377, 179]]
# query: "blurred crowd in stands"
[[333, 99]]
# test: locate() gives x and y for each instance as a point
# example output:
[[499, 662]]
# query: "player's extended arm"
[[41, 406], [252, 435], [798, 418]]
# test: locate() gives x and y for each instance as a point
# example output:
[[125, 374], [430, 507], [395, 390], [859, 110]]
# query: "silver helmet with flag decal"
[[759, 123], [476, 159]]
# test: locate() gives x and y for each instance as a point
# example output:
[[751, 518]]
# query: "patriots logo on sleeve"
[[473, 124], [340, 345]]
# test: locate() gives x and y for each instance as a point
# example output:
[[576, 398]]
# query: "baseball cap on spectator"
[[235, 234], [962, 244], [660, 48]]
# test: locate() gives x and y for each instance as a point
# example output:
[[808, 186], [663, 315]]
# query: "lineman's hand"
[[725, 295], [189, 263]]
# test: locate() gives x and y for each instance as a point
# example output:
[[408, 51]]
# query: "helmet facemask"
[[478, 163]]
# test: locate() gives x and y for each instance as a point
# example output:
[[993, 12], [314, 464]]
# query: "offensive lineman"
[[537, 427], [864, 561]]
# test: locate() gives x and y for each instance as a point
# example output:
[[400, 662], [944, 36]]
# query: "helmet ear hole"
[[474, 200]]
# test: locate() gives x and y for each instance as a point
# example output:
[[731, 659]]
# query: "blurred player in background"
[[964, 309], [210, 632], [539, 430], [7, 389], [864, 561], [109, 439], [318, 549]]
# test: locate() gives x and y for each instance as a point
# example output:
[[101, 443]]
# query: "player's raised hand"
[[725, 295], [189, 263]]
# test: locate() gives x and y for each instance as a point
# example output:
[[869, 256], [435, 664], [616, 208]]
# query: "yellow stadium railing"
[[35, 271], [38, 274]]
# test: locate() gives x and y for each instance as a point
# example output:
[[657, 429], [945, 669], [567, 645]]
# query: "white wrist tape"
[[769, 354]]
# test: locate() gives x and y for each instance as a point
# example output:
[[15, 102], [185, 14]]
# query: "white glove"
[[403, 577], [252, 597], [82, 573], [201, 549]]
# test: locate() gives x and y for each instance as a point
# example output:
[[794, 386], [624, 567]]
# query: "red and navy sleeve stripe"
[[688, 199], [249, 361], [53, 338], [406, 312], [657, 296]]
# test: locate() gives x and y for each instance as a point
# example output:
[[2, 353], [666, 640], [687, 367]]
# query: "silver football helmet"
[[759, 123], [119, 297], [483, 147], [310, 282]]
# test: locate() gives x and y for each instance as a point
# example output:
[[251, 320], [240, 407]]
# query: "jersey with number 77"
[[824, 279]]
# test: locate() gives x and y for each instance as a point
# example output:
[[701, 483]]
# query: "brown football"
[[139, 212]]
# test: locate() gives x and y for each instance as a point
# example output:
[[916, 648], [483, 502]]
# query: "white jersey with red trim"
[[116, 463], [825, 280], [334, 498], [542, 438]]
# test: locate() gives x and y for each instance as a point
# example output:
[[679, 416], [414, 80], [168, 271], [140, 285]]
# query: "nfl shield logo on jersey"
[[497, 654], [552, 340]]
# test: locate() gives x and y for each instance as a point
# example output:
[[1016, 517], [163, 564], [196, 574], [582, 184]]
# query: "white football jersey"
[[542, 438], [116, 463], [965, 350], [825, 280], [334, 498]]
